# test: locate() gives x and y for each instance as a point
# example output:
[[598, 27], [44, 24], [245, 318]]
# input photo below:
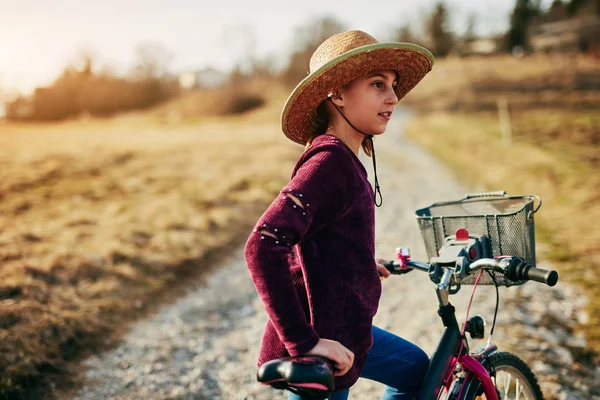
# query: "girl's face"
[[368, 101]]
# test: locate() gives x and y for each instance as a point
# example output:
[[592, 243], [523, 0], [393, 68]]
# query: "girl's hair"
[[321, 123]]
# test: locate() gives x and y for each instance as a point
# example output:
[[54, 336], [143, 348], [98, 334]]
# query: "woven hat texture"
[[337, 62]]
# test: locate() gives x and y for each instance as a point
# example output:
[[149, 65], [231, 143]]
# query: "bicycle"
[[456, 259]]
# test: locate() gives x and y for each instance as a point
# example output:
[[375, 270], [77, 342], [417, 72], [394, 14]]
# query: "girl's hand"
[[336, 352], [383, 271]]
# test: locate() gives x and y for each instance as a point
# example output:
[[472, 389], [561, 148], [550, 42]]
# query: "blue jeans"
[[393, 361]]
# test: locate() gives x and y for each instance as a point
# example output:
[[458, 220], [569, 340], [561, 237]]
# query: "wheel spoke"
[[506, 385]]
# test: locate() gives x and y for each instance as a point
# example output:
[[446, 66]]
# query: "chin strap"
[[370, 137]]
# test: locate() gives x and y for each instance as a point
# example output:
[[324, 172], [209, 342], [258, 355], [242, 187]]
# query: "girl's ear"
[[336, 97]]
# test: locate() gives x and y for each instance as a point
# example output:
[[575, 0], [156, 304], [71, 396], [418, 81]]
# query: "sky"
[[38, 38]]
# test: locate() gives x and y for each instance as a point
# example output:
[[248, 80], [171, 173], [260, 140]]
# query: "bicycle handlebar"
[[514, 268], [528, 272]]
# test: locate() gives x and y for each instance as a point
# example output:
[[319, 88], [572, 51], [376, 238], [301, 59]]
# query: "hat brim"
[[410, 61]]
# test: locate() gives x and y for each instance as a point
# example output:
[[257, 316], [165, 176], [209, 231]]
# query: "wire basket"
[[506, 220]]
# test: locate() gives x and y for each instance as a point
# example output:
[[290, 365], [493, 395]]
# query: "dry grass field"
[[98, 218], [554, 106]]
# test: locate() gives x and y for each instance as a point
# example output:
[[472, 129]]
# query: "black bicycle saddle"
[[303, 372]]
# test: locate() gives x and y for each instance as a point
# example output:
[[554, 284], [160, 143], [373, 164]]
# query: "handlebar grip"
[[394, 269], [550, 278], [522, 271]]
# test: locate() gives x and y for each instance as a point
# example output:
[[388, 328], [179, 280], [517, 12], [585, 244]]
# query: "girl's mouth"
[[385, 115]]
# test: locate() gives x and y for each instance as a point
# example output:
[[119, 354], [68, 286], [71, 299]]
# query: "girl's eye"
[[381, 85]]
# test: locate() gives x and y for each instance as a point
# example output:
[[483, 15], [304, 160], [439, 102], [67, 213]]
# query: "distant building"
[[481, 46], [206, 78], [579, 33]]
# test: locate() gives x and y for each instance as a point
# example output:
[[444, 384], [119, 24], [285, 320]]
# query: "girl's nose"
[[392, 98]]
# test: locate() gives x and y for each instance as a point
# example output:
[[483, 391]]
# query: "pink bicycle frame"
[[473, 366]]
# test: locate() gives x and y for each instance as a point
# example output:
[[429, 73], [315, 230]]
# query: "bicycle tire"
[[505, 365]]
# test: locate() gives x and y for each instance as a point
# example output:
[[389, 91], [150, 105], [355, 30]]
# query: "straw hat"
[[338, 61]]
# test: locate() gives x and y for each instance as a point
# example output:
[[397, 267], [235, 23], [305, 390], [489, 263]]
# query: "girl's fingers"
[[348, 361], [350, 356], [342, 357], [383, 271], [344, 361]]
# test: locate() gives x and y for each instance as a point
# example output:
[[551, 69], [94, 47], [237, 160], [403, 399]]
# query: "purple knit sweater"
[[318, 279]]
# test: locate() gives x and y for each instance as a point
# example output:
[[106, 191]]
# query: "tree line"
[[80, 90], [437, 34]]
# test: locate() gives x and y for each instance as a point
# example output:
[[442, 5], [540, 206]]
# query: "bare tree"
[[85, 62], [152, 61], [438, 30], [405, 34], [307, 38], [471, 31]]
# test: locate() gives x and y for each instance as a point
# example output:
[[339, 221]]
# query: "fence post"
[[505, 125]]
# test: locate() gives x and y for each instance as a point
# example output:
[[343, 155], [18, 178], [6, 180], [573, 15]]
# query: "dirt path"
[[205, 345]]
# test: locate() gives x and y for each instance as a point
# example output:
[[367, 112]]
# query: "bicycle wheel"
[[513, 380]]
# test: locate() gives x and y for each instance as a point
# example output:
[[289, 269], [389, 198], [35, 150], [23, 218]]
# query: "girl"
[[311, 254]]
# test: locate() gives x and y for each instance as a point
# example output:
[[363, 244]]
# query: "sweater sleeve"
[[320, 183]]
